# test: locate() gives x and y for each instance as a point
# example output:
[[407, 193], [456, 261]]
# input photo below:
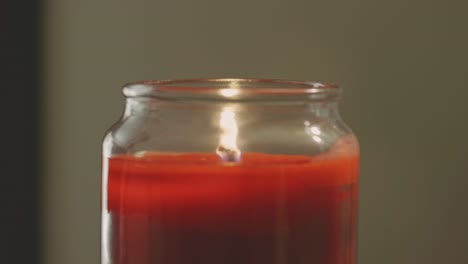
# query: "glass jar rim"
[[232, 89]]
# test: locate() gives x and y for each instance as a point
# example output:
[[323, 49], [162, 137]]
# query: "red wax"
[[194, 208]]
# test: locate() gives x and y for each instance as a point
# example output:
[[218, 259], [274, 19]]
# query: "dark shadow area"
[[19, 53]]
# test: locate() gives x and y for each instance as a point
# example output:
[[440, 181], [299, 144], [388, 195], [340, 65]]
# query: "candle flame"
[[227, 148]]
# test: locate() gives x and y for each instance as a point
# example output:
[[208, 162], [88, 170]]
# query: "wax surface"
[[194, 208]]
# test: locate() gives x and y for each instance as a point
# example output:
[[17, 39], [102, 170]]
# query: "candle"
[[255, 171], [176, 208]]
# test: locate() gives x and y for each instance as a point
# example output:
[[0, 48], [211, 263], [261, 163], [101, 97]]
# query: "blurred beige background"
[[403, 65]]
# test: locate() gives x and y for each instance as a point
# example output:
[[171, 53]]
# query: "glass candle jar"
[[230, 171]]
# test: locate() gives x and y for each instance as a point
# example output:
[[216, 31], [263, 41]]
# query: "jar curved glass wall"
[[229, 171]]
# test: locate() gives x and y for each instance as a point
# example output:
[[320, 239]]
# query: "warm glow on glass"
[[229, 92], [233, 90], [315, 130]]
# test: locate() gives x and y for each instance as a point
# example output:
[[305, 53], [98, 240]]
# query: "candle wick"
[[228, 155]]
